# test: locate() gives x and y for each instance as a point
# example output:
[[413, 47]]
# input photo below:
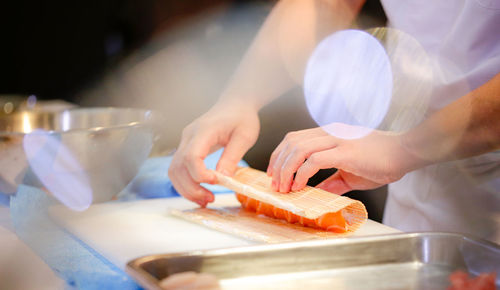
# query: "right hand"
[[233, 125], [364, 163]]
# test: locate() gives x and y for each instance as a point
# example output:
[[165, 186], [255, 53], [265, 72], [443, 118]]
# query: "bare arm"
[[467, 127], [273, 64], [276, 60]]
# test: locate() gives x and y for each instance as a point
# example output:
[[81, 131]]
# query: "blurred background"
[[173, 56]]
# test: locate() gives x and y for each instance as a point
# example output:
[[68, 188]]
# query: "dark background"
[[56, 49], [53, 49]]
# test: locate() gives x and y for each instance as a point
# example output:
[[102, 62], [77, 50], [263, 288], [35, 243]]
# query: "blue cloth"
[[72, 260], [152, 180], [4, 199]]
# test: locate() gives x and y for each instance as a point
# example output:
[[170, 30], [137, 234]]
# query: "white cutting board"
[[122, 231]]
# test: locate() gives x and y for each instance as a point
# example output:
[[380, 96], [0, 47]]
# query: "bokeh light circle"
[[348, 79], [57, 169]]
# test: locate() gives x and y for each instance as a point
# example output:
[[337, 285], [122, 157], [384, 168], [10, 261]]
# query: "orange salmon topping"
[[333, 221]]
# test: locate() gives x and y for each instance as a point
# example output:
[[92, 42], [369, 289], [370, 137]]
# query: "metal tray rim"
[[134, 269], [291, 245]]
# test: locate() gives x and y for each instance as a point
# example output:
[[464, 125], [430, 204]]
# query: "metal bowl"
[[74, 153]]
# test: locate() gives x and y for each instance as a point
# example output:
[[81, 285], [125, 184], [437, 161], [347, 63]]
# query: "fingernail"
[[213, 178], [274, 185], [225, 172]]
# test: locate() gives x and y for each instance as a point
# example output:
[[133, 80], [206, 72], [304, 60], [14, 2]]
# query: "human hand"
[[190, 281], [365, 163], [233, 125]]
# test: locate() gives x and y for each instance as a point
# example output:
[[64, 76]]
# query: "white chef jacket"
[[462, 37]]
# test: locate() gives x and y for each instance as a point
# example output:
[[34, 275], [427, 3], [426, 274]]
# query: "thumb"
[[335, 184], [234, 151], [342, 181]]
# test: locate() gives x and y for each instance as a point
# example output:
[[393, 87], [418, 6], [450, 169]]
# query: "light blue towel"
[[80, 266], [152, 180], [70, 258], [4, 199]]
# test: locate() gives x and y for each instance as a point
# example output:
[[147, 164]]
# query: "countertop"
[[20, 267]]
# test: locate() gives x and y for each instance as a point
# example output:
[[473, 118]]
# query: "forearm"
[[276, 60], [468, 127]]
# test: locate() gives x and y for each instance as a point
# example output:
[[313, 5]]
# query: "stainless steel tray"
[[399, 261]]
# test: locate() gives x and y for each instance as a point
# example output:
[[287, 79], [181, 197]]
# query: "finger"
[[276, 170], [298, 155], [194, 156], [290, 137], [289, 167], [179, 280], [275, 161], [206, 281], [176, 183], [178, 174], [190, 189], [343, 181], [198, 193], [234, 151], [274, 156], [315, 162]]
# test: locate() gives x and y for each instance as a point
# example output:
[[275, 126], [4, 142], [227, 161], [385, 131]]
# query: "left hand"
[[190, 281], [365, 163]]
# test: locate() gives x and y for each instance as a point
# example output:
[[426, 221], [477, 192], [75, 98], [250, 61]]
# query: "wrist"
[[410, 154], [238, 102]]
